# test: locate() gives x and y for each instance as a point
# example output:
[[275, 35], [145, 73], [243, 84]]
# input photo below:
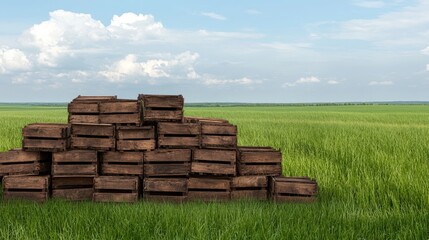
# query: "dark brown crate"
[[86, 109], [73, 187], [126, 118], [46, 130], [45, 137], [83, 107], [116, 189], [249, 187], [213, 162], [259, 161], [93, 136], [209, 189], [293, 189], [218, 135], [135, 138], [75, 162], [18, 162], [165, 189], [178, 135], [162, 107], [34, 188], [167, 162], [122, 163]]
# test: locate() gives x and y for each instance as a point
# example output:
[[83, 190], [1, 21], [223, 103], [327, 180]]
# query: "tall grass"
[[371, 163]]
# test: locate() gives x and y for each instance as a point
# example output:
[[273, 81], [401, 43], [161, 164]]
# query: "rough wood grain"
[[209, 184], [165, 128], [168, 155], [73, 194], [83, 107], [162, 101], [126, 157], [26, 182], [16, 156], [150, 115], [166, 169], [228, 156], [100, 130], [271, 170], [45, 144], [83, 119], [121, 169], [218, 129], [92, 143], [72, 182], [215, 141], [165, 185], [120, 106], [46, 130], [73, 169], [116, 183], [128, 118], [213, 168], [249, 182], [178, 142], [128, 133], [135, 145], [72, 156]]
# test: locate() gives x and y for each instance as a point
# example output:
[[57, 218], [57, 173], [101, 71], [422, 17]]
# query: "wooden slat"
[[170, 169], [30, 196], [26, 182], [83, 156], [215, 141], [218, 129], [72, 181], [252, 156], [168, 155], [272, 170], [92, 143], [46, 130], [83, 107], [144, 132], [165, 128], [165, 185], [16, 156], [116, 197], [249, 182], [214, 155], [79, 119], [33, 168], [135, 145], [300, 186], [95, 98], [45, 144], [249, 195], [162, 115], [116, 183], [209, 184], [73, 169], [121, 169], [162, 101], [128, 118], [120, 106], [101, 130], [75, 194], [178, 142], [213, 168], [126, 157]]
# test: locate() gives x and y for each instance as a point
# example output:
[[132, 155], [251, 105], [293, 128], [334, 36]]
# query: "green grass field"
[[371, 163]]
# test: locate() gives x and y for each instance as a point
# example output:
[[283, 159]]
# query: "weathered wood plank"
[[129, 133], [45, 144], [135, 145], [166, 169], [125, 157], [213, 168], [116, 183], [214, 155], [83, 107], [209, 184], [92, 143], [73, 194], [30, 196], [168, 155], [165, 185], [218, 129], [121, 169], [178, 142], [128, 118], [271, 170], [120, 106], [217, 141], [46, 130], [26, 182], [165, 128], [71, 156], [162, 101], [83, 119], [249, 182], [73, 169], [100, 130]]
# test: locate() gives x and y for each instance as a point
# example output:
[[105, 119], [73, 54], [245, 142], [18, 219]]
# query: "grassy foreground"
[[371, 162]]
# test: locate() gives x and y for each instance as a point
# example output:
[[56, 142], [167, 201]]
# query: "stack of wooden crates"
[[119, 150]]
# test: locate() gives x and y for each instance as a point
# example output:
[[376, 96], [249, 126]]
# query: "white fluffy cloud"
[[380, 83], [13, 60], [240, 81], [302, 80], [213, 15], [181, 65], [333, 82], [370, 4]]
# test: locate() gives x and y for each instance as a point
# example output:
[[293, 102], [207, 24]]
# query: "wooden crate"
[[259, 161], [93, 136], [73, 187], [249, 187], [165, 189], [122, 163], [162, 108], [18, 162], [209, 189], [213, 162], [178, 135], [45, 137], [135, 138], [293, 189], [116, 189], [167, 162], [34, 188], [218, 134], [86, 109], [75, 162], [120, 111]]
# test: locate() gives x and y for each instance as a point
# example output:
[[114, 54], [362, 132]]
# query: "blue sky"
[[216, 51]]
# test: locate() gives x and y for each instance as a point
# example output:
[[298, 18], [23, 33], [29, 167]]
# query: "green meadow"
[[371, 163]]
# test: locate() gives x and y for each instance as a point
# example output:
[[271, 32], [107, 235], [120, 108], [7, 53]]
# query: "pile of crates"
[[120, 150]]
